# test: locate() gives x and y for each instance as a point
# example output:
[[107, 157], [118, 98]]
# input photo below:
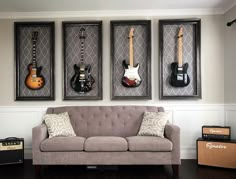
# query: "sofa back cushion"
[[89, 121]]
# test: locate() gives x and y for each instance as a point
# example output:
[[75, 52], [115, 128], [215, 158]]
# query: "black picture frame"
[[168, 32], [93, 50], [23, 57], [119, 32]]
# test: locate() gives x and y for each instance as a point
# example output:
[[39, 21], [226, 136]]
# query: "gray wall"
[[230, 57], [212, 63]]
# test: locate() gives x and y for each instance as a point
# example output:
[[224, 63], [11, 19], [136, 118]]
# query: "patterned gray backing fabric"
[[72, 55], [121, 52], [42, 57], [170, 33]]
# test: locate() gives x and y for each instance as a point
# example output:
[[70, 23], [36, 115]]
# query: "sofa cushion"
[[59, 125], [105, 143], [153, 124], [63, 144], [149, 143]]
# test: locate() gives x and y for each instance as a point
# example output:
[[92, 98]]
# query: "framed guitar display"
[[179, 55], [82, 60], [34, 60], [131, 59]]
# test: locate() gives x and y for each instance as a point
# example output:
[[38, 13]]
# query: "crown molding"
[[112, 13], [230, 6]]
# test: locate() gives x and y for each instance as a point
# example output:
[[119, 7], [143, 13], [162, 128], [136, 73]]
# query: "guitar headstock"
[[131, 33], [35, 35], [82, 34], [180, 34]]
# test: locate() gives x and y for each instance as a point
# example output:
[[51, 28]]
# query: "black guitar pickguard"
[[39, 69]]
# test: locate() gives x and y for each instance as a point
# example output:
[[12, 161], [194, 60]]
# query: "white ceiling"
[[106, 5]]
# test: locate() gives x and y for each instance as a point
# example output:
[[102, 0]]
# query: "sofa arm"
[[39, 133], [172, 132]]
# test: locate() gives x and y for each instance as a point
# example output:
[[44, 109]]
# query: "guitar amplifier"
[[216, 132], [11, 150], [216, 153]]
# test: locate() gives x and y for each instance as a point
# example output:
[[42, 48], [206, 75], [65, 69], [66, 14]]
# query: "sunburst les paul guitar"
[[131, 77], [34, 80], [179, 76], [82, 81]]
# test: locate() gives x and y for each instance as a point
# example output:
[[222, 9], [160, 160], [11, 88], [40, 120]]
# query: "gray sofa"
[[106, 135]]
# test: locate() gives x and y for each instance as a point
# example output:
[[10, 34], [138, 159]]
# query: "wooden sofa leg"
[[37, 169], [175, 169]]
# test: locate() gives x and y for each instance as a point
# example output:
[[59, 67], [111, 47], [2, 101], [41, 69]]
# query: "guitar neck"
[[180, 51], [131, 52], [82, 50], [34, 63]]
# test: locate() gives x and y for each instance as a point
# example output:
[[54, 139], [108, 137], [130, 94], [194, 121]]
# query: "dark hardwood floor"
[[188, 170]]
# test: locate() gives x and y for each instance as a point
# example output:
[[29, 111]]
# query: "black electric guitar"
[[179, 76], [82, 81], [131, 77], [34, 80]]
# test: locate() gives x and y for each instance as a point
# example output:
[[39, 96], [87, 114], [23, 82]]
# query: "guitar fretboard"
[[34, 63], [131, 52], [131, 47], [82, 50], [180, 47]]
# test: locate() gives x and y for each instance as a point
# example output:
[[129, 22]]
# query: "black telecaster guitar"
[[82, 81], [179, 76], [131, 77]]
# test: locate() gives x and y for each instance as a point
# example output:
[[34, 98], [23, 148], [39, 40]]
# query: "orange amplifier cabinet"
[[216, 132], [216, 153]]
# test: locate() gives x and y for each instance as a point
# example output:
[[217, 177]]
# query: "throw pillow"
[[153, 124], [59, 125]]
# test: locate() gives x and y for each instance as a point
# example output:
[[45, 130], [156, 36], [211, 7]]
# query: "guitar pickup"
[[82, 76]]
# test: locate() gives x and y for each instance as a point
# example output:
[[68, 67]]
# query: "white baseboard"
[[230, 119], [28, 153], [188, 154]]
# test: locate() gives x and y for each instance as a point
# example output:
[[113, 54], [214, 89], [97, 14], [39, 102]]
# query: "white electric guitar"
[[131, 77]]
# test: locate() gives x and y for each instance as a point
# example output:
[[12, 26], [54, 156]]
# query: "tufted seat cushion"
[[63, 144], [149, 144], [105, 144]]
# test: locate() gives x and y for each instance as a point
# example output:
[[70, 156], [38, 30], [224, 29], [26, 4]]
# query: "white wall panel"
[[230, 119], [18, 122]]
